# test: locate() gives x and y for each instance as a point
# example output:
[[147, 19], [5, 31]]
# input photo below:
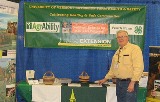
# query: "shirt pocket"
[[126, 59]]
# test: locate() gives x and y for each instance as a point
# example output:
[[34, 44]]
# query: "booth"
[[84, 93]]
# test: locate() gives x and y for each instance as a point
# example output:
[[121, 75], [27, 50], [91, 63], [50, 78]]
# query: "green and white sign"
[[50, 25]]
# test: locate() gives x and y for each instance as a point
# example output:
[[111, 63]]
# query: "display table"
[[82, 94]]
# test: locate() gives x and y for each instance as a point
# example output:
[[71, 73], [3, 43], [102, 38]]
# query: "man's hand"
[[131, 86], [102, 81]]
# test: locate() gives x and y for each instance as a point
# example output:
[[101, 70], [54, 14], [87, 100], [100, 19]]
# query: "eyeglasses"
[[119, 37]]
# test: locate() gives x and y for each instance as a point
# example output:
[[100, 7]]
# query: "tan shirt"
[[129, 64]]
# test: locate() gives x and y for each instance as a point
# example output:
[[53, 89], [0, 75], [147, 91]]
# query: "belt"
[[127, 79]]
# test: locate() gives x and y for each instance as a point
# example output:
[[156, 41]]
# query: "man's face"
[[65, 24], [122, 38]]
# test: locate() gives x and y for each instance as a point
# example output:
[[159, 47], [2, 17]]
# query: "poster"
[[8, 34], [8, 25], [7, 79], [82, 26]]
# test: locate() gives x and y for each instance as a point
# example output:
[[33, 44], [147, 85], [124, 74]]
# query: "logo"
[[72, 98], [43, 27], [138, 30]]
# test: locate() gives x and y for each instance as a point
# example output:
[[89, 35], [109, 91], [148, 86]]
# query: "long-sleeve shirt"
[[127, 62]]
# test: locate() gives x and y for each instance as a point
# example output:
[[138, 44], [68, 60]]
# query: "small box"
[[30, 75]]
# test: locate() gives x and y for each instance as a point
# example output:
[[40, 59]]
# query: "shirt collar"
[[125, 46]]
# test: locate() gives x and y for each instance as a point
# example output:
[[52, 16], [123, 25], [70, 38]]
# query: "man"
[[127, 66]]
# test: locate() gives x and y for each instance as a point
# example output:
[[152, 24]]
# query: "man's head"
[[64, 24], [122, 38]]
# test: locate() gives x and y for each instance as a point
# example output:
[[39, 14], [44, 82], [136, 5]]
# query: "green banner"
[[50, 25], [83, 94]]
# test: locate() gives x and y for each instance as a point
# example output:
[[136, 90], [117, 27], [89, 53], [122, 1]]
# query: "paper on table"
[[97, 81], [143, 81], [75, 84], [33, 82], [95, 85]]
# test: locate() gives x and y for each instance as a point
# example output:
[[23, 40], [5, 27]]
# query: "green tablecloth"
[[25, 91], [83, 94], [142, 92]]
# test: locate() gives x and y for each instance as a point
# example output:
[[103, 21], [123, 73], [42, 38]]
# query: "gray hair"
[[122, 31]]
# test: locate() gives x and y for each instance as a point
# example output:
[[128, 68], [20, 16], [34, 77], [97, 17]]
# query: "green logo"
[[138, 30], [43, 27]]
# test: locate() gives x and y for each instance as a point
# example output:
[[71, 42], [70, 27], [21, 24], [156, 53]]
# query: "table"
[[83, 94]]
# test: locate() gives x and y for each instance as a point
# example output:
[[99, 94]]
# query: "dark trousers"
[[122, 94]]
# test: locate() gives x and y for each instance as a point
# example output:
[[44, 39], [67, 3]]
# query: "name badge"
[[116, 66]]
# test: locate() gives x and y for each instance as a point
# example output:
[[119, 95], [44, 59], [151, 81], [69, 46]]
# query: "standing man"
[[127, 66]]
